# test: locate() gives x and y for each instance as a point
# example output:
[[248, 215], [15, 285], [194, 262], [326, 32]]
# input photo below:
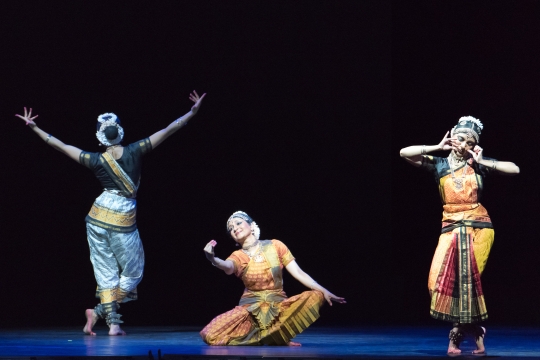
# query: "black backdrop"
[[308, 105], [289, 86]]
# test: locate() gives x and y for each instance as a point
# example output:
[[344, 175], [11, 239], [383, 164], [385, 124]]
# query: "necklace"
[[457, 161], [458, 182], [257, 256]]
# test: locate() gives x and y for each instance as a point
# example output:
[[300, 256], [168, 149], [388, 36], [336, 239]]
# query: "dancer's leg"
[[106, 271], [129, 253]]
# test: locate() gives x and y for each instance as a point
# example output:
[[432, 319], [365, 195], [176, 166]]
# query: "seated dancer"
[[467, 232], [264, 316], [116, 250]]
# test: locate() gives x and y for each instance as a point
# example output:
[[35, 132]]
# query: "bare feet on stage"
[[455, 336], [292, 343], [479, 338], [91, 319], [116, 330], [453, 350]]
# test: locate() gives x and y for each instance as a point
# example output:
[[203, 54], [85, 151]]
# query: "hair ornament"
[[256, 230], [470, 126], [104, 121], [107, 117], [464, 119]]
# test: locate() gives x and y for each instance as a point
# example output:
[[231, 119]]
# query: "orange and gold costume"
[[464, 244], [264, 316]]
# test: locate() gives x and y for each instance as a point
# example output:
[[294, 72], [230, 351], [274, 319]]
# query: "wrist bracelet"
[[423, 152], [48, 138], [494, 166]]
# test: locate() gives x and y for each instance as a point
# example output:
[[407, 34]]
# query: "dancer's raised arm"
[[413, 154], [69, 150], [226, 265], [505, 167], [161, 135], [308, 282]]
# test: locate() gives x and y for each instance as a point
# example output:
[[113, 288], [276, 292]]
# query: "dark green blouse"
[[130, 162]]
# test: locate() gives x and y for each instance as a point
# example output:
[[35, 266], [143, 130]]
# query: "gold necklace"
[[458, 182], [257, 256]]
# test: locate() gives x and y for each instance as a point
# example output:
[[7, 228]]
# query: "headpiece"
[[470, 126], [104, 121], [242, 215]]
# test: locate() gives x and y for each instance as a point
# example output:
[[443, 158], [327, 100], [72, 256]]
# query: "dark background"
[[290, 87], [308, 105]]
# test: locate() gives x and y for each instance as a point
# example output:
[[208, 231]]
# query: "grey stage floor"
[[391, 342]]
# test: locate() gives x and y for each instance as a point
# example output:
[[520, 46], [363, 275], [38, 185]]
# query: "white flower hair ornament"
[[106, 120], [465, 119], [470, 125], [255, 230]]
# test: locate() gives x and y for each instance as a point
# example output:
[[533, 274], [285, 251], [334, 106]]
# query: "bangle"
[[312, 285], [423, 152], [494, 166], [48, 138]]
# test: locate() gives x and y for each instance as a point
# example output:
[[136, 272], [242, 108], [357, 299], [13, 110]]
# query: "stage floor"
[[185, 343]]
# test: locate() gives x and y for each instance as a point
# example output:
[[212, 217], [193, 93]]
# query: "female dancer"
[[467, 233], [264, 316], [116, 250]]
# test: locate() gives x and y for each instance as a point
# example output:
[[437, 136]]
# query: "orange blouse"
[[258, 275]]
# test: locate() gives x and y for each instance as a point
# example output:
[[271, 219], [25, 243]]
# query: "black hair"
[[111, 132]]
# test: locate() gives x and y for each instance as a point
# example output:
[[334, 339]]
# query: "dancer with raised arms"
[[116, 251]]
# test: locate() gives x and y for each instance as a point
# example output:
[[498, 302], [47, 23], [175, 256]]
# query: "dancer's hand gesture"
[[476, 153], [197, 100], [447, 142], [28, 118], [329, 297], [209, 250]]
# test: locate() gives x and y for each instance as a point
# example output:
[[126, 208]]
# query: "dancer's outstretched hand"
[[209, 250], [28, 118], [197, 100], [329, 297]]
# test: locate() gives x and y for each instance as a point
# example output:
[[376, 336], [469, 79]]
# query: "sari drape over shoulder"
[[464, 244], [264, 315]]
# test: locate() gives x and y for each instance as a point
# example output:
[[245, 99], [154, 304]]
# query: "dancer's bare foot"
[[455, 336], [91, 319], [453, 349], [292, 343], [116, 330], [480, 349]]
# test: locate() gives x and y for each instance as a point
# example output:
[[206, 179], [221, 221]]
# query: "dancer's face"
[[464, 143], [239, 229]]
